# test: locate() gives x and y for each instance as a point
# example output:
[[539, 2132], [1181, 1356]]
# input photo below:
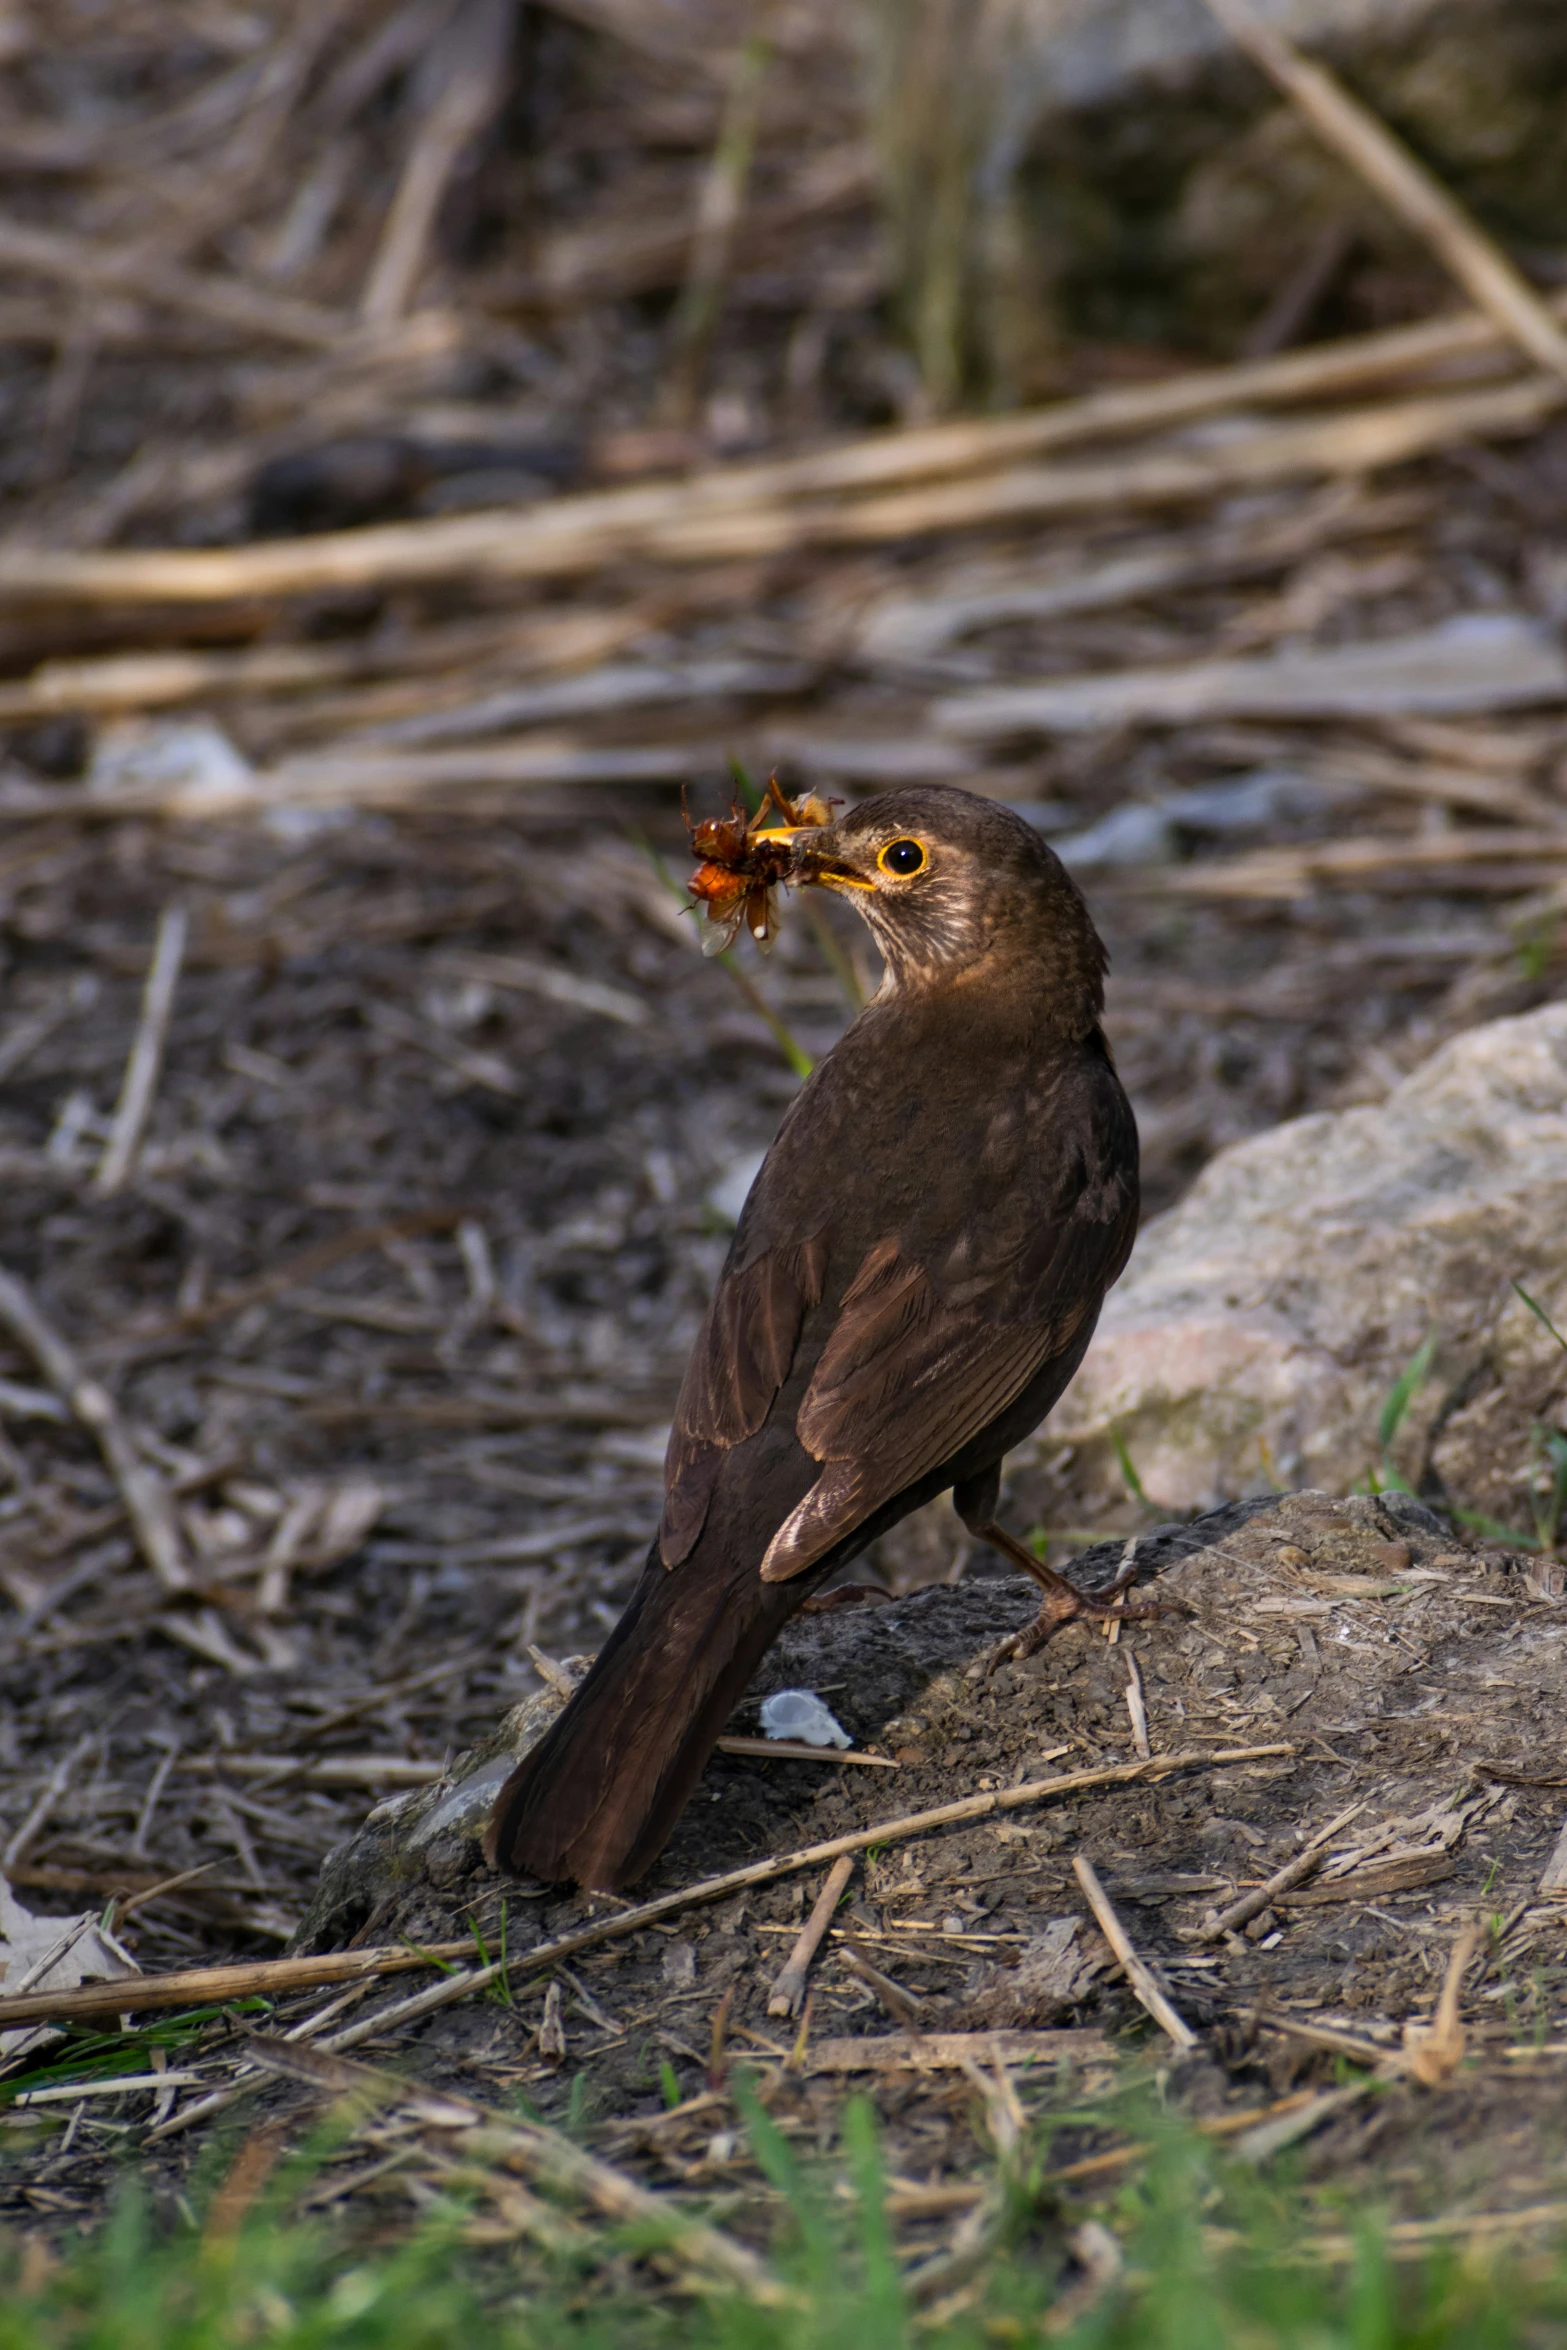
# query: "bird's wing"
[[922, 1359], [740, 1360]]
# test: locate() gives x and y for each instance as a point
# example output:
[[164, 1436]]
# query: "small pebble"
[[952, 1924]]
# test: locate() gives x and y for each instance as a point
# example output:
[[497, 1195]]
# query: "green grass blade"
[[776, 2160], [1404, 1390], [1134, 1483], [883, 2283], [1541, 1315], [1495, 1531], [739, 776]]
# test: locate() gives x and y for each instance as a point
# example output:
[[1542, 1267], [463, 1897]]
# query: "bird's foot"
[[1064, 1604]]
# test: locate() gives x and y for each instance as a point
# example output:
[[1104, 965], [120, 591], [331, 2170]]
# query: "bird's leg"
[[1062, 1602], [824, 1603]]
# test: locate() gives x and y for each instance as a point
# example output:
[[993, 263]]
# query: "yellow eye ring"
[[902, 858]]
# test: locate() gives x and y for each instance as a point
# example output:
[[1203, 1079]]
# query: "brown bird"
[[914, 1279]]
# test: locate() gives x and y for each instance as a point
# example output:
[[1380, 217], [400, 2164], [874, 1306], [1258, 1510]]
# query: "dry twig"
[[195, 1985], [1144, 1988], [740, 513], [1467, 858], [1436, 2050], [1218, 1923], [20, 1843], [469, 59], [148, 1503], [789, 1987], [928, 2052], [142, 1070], [293, 1273], [537, 2151], [1420, 201], [226, 300], [1136, 1705], [1259, 2145], [796, 1750]]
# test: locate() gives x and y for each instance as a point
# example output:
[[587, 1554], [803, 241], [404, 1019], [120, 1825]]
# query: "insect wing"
[[761, 916], [721, 930]]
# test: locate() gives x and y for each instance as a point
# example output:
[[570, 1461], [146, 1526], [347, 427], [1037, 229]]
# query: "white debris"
[[52, 1954], [800, 1713], [190, 760]]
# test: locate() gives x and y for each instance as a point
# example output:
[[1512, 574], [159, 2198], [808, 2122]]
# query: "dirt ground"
[[1410, 1689]]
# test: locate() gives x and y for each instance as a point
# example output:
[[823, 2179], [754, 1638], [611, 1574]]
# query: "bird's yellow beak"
[[818, 866]]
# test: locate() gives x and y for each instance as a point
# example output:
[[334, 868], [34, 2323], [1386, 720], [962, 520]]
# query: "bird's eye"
[[902, 857]]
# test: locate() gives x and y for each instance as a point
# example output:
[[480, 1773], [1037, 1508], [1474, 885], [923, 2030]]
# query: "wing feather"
[[740, 1361], [933, 1340], [910, 1375]]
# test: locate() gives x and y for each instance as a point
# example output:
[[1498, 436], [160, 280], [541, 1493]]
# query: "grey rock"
[[1256, 1337], [428, 1838]]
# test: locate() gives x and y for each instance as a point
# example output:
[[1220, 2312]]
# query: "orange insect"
[[743, 863]]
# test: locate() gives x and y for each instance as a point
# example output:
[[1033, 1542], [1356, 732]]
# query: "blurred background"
[[437, 433]]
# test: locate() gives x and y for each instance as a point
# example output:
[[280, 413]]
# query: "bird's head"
[[949, 883]]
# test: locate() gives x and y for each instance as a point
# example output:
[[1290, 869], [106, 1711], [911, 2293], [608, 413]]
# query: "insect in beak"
[[743, 862]]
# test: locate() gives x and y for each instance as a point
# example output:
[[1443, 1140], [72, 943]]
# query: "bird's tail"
[[597, 1799]]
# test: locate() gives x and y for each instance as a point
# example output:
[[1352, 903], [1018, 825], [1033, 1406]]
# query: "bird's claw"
[[1070, 1606]]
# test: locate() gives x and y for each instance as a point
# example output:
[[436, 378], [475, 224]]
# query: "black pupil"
[[904, 856]]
